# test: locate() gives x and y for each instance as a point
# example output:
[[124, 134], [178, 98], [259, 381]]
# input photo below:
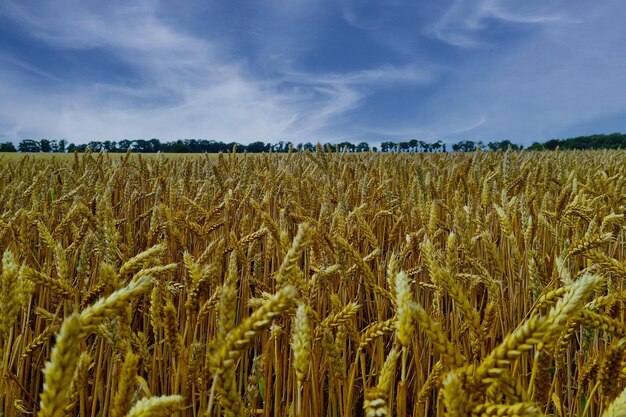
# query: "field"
[[314, 284]]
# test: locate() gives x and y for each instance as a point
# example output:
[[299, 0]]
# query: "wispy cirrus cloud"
[[463, 23], [187, 85]]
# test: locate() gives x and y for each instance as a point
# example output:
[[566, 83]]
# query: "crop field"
[[314, 284]]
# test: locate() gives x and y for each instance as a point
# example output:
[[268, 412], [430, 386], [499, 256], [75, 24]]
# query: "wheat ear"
[[376, 330], [9, 296], [449, 353], [237, 341], [156, 406], [455, 395], [125, 386], [338, 319], [617, 407], [433, 379], [59, 371], [104, 308], [537, 329], [521, 409], [301, 347], [136, 262], [610, 370], [288, 269], [79, 381], [375, 403]]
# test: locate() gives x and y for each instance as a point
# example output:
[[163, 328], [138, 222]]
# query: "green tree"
[[363, 147], [96, 146], [123, 145], [7, 147], [45, 145], [28, 145], [464, 146], [256, 147]]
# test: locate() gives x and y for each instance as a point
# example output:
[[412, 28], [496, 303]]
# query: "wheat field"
[[314, 284]]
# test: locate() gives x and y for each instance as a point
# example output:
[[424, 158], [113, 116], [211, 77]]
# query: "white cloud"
[[381, 76], [455, 126], [188, 85], [461, 23]]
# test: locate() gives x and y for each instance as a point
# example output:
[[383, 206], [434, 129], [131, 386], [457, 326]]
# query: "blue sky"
[[305, 70]]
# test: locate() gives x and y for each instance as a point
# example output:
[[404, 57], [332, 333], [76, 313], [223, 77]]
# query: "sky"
[[305, 70]]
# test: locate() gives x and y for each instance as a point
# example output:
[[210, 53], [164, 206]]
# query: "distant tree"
[[154, 145], [464, 146], [551, 144], [57, 146], [233, 146], [140, 145], [193, 144], [363, 147], [279, 147], [256, 147], [329, 147], [29, 145], [45, 145], [213, 146], [123, 145], [503, 145], [7, 147], [612, 141], [180, 147], [346, 146], [96, 146]]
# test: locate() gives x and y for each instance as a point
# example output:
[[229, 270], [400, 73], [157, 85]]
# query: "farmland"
[[313, 284]]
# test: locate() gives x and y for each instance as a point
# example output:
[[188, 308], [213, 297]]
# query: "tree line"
[[612, 141]]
